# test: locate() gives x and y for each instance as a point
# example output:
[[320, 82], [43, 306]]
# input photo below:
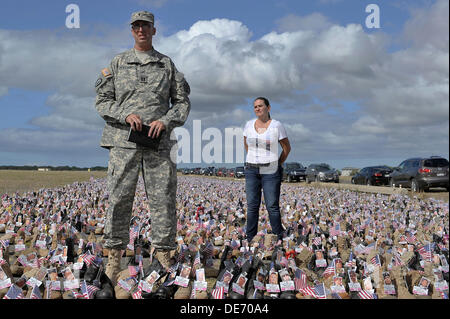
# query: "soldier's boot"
[[113, 266], [163, 257]]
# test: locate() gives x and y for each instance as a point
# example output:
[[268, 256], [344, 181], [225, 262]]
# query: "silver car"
[[321, 173]]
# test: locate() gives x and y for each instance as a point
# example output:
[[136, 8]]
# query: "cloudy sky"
[[348, 95]]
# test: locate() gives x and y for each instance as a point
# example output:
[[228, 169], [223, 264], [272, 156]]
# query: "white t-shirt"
[[263, 148]]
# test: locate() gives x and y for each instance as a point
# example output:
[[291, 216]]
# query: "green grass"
[[12, 181]]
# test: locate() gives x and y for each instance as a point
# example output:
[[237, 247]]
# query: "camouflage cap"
[[142, 16]]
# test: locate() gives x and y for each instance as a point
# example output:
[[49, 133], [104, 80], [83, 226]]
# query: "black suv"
[[293, 171], [321, 173], [420, 174], [373, 175], [239, 172]]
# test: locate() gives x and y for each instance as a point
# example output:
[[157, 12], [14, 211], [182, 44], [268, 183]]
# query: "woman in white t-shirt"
[[263, 166]]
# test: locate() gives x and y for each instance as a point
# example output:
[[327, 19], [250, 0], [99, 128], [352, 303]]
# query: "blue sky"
[[259, 16], [348, 95]]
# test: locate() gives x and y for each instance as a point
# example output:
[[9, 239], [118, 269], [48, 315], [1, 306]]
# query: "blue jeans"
[[270, 184]]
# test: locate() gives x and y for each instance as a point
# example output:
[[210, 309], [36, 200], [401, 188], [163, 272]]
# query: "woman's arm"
[[245, 144], [286, 149]]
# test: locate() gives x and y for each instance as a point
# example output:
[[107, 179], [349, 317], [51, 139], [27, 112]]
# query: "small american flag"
[[329, 271], [397, 260], [335, 230], [395, 224], [199, 224], [196, 260], [317, 292], [295, 226], [36, 293], [284, 262], [313, 229], [192, 294], [192, 248], [209, 249], [425, 252], [14, 293], [88, 259], [375, 260], [5, 243], [133, 270], [304, 230], [363, 294], [91, 289], [308, 291], [181, 255], [300, 280], [235, 244], [218, 293], [87, 291], [317, 240], [411, 238], [138, 293], [134, 233], [369, 247], [320, 291], [351, 261], [141, 267], [76, 294]]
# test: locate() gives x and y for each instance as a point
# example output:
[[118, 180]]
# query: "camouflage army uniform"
[[127, 87]]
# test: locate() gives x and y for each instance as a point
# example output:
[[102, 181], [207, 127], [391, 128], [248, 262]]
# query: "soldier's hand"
[[135, 122], [156, 127]]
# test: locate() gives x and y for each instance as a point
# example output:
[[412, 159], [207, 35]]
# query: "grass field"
[[12, 181]]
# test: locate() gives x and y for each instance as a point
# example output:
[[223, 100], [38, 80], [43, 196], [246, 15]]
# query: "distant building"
[[349, 171], [43, 169]]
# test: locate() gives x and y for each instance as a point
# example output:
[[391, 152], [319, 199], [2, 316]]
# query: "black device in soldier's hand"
[[141, 138]]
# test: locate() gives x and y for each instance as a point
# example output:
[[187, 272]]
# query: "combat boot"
[[113, 265], [163, 257]]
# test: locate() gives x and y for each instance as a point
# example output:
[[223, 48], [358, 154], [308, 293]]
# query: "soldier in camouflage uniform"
[[134, 90]]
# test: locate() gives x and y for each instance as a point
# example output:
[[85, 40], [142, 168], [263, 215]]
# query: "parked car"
[[186, 171], [372, 175], [221, 172], [209, 171], [239, 172], [230, 172], [421, 174], [321, 173], [294, 171]]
